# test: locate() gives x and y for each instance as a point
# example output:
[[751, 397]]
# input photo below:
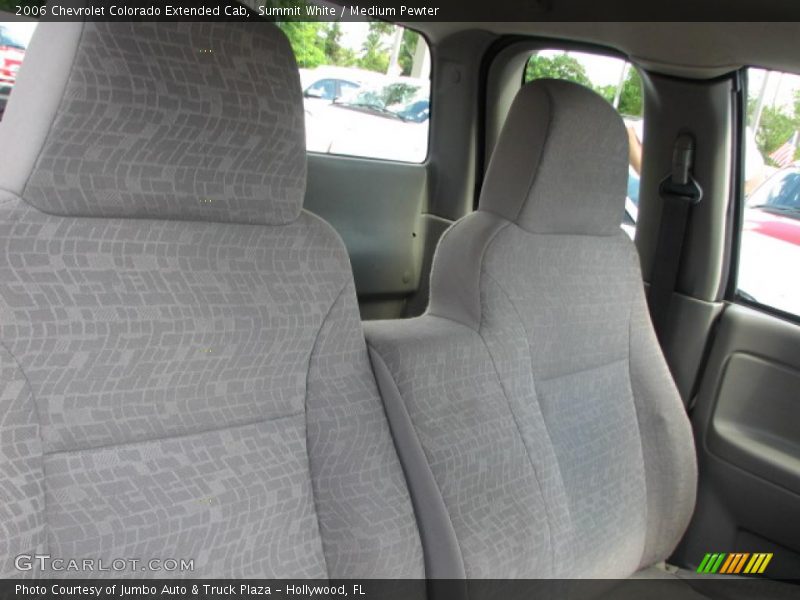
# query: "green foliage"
[[335, 53], [318, 43], [308, 42], [607, 91], [630, 98], [564, 66], [374, 54], [561, 66], [775, 128], [408, 47], [796, 105], [751, 111]]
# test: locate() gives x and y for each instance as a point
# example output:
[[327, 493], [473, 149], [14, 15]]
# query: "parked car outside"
[[386, 120], [770, 246], [770, 252], [12, 52], [325, 84]]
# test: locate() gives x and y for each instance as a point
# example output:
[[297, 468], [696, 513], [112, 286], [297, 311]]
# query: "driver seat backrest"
[[183, 369]]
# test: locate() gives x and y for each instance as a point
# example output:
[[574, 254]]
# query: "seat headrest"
[[561, 163], [190, 120]]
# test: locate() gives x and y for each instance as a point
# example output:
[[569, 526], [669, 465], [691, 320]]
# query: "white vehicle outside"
[[325, 84], [770, 251], [768, 269], [387, 120]]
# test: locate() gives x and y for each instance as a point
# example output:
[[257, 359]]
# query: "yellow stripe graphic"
[[767, 558], [734, 563], [753, 564]]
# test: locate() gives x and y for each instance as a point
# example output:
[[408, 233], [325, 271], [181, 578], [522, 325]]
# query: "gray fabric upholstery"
[[104, 126], [553, 173], [443, 557], [539, 396], [180, 388]]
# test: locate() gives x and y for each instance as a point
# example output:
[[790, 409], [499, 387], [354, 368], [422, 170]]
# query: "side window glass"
[[366, 88], [618, 82], [324, 89], [346, 86], [770, 239], [14, 38]]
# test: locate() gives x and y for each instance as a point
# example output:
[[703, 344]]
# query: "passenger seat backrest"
[[533, 386], [184, 373]]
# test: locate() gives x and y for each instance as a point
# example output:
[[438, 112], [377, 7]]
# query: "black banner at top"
[[407, 10]]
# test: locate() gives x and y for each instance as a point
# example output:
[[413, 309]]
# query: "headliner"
[[698, 50]]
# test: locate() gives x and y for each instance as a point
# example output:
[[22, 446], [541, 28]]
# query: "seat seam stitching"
[[516, 420], [545, 143], [641, 441], [494, 236], [610, 235], [584, 370], [305, 412], [424, 452], [175, 436], [45, 523]]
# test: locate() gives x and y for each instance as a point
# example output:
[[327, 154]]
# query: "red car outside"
[[770, 253], [12, 51], [774, 207]]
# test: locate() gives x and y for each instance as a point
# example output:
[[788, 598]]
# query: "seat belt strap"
[[679, 192]]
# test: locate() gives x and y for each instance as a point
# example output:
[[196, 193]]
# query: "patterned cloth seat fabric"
[[535, 416], [184, 373]]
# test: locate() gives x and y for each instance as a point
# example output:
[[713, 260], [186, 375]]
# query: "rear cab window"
[[619, 83], [366, 88]]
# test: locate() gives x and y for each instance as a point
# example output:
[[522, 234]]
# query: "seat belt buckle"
[[680, 184]]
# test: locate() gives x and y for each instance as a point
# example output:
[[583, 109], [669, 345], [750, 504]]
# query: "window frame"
[[431, 79], [732, 293]]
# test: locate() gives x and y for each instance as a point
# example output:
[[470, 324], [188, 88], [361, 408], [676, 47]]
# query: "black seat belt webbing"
[[679, 192]]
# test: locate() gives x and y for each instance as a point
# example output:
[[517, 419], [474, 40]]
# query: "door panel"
[[756, 418], [747, 427], [376, 206]]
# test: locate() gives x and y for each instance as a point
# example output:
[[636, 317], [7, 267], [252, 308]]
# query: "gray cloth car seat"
[[537, 422], [183, 373]]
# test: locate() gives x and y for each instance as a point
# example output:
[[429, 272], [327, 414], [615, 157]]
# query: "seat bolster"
[[352, 460], [667, 441], [21, 471], [442, 555], [456, 270]]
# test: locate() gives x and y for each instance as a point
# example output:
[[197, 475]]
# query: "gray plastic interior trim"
[[756, 419], [379, 222], [746, 425]]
